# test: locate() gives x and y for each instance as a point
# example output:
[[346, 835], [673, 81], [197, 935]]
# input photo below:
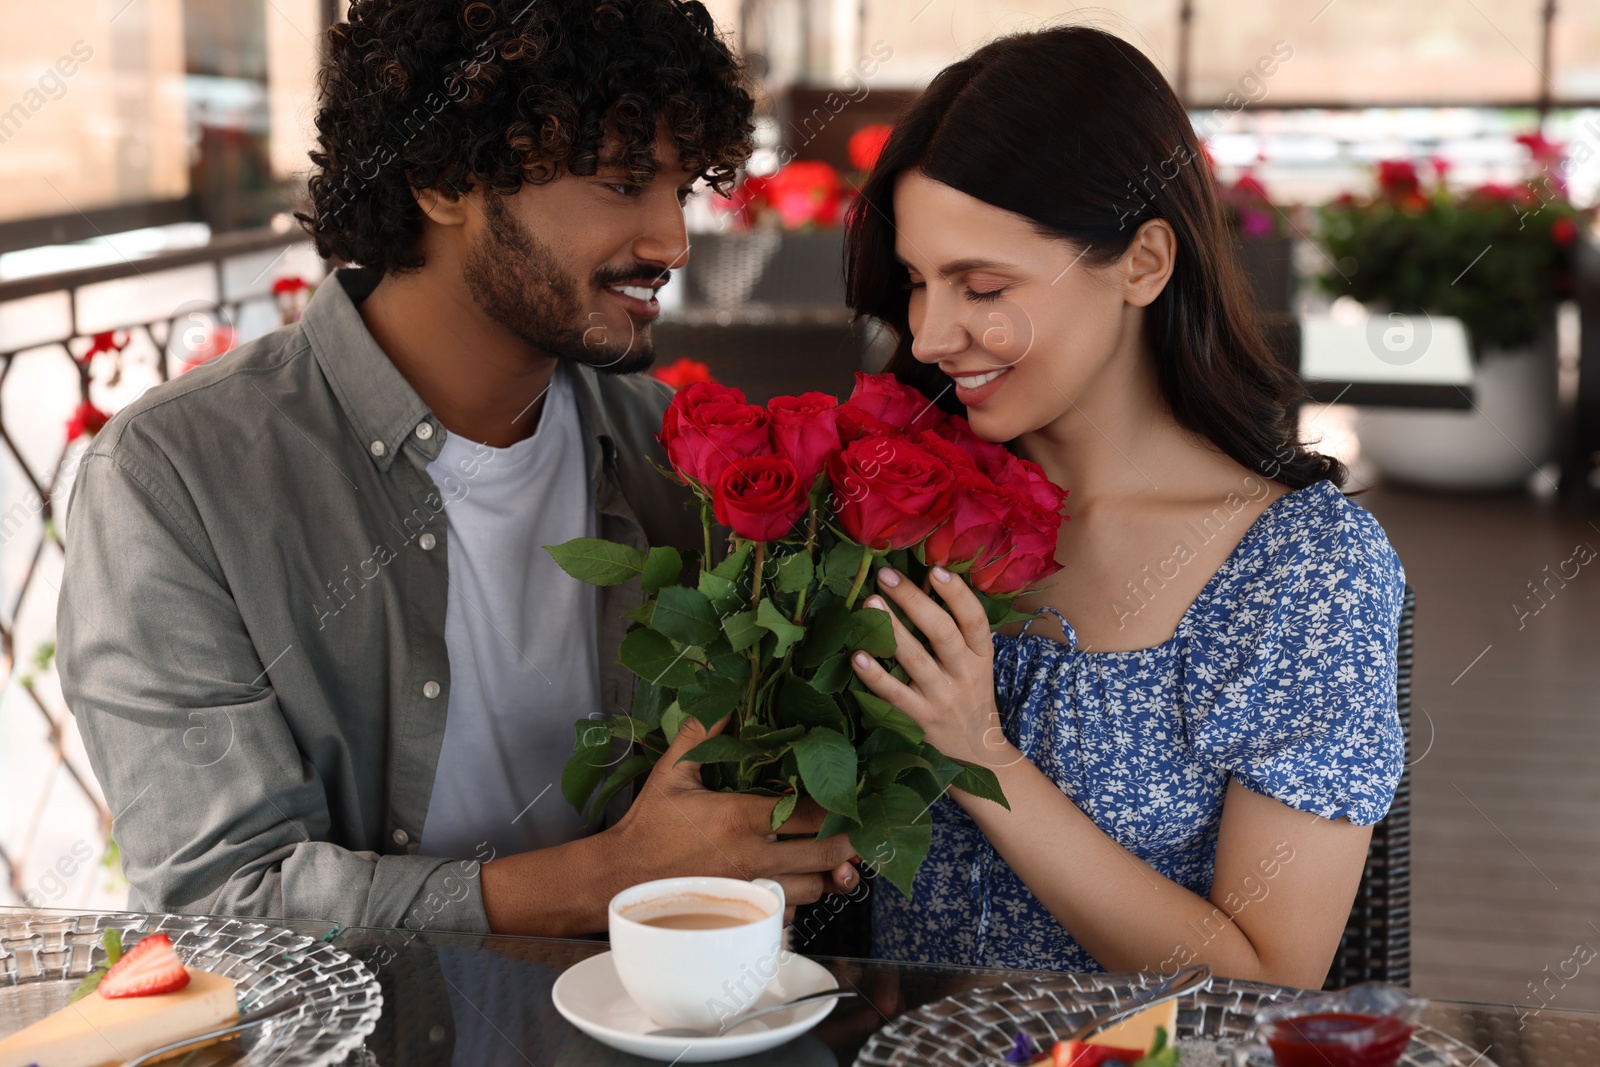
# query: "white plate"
[[589, 995]]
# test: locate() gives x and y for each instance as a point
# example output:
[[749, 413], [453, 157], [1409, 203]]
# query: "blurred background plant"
[[1417, 244]]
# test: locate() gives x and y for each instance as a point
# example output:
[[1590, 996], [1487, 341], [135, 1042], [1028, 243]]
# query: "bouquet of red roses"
[[816, 493]]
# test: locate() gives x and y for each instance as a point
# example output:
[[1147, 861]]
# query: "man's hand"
[[675, 827]]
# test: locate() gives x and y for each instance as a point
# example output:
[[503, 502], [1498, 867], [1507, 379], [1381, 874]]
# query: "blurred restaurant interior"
[[152, 153]]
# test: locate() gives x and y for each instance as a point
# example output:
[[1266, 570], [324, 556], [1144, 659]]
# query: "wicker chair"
[[1377, 941], [1376, 945]]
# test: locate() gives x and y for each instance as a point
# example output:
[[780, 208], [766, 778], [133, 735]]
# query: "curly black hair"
[[451, 94]]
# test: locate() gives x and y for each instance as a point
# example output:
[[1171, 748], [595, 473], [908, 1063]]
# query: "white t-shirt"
[[520, 634]]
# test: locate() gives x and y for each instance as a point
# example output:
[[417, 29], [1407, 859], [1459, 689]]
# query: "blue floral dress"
[[1281, 674]]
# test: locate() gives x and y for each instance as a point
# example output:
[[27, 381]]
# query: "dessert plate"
[[43, 958], [589, 995], [980, 1026]]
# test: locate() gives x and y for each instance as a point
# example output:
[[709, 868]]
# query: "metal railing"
[[180, 315]]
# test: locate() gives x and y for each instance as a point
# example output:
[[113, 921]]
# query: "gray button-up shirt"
[[251, 624]]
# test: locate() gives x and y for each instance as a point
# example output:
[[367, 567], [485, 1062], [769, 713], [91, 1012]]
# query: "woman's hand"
[[952, 696]]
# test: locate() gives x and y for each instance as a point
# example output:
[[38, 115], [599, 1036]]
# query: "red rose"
[[1029, 479], [707, 426], [854, 424], [714, 435], [759, 497], [991, 457], [953, 455], [683, 373], [889, 492], [885, 397], [1563, 231], [805, 428], [692, 396], [976, 531], [1028, 556]]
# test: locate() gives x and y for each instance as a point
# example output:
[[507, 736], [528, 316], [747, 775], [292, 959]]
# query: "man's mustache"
[[641, 275]]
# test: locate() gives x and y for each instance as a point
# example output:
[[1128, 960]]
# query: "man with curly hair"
[[322, 665]]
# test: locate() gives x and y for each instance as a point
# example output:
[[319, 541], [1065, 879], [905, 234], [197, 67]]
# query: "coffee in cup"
[[697, 951]]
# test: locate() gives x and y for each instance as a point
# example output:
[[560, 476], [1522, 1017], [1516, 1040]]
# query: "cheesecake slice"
[[96, 1031]]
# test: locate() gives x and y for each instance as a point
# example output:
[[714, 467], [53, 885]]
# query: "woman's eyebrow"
[[955, 266]]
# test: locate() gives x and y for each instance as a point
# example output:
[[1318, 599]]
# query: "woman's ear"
[[1148, 262]]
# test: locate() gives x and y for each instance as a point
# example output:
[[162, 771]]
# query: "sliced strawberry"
[[148, 968]]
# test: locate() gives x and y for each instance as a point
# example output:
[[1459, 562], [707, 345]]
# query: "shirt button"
[[430, 689], [425, 431], [378, 448], [436, 1034], [400, 837], [427, 542]]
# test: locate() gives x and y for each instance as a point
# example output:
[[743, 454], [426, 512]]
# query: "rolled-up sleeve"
[[218, 806]]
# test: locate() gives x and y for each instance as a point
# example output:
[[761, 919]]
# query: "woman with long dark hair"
[[1198, 729]]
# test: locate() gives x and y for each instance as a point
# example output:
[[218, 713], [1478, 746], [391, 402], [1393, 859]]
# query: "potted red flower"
[[784, 244]]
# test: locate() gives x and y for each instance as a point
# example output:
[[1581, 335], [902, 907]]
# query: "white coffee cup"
[[697, 977]]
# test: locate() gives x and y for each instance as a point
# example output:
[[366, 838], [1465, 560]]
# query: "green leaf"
[[772, 739], [980, 782], [827, 633], [661, 569], [783, 809], [878, 713], [686, 616], [834, 823], [889, 741], [651, 656], [711, 699], [733, 566], [895, 834], [625, 772], [794, 572], [111, 941], [839, 566], [721, 749], [722, 593], [628, 728], [742, 630], [729, 663], [642, 613], [887, 767], [872, 630], [834, 674], [649, 701], [799, 701], [768, 617], [90, 983], [828, 768], [672, 721], [596, 561], [586, 766]]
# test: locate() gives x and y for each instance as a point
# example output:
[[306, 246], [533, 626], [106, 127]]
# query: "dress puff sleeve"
[[1290, 681]]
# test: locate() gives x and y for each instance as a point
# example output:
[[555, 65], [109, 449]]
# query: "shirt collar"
[[382, 407], [384, 410]]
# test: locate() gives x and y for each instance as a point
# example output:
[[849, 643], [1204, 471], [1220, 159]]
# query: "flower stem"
[[755, 576], [705, 524], [861, 577]]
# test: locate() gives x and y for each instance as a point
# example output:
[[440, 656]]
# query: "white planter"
[[1493, 448]]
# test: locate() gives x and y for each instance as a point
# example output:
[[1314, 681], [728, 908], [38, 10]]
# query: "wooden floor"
[[1506, 748]]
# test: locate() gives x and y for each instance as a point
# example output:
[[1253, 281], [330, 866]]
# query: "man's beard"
[[519, 283]]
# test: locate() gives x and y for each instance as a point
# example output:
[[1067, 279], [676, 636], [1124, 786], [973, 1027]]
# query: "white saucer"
[[589, 995]]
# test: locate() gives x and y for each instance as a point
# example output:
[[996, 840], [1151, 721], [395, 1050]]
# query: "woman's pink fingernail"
[[863, 660], [877, 602], [941, 574], [888, 577]]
